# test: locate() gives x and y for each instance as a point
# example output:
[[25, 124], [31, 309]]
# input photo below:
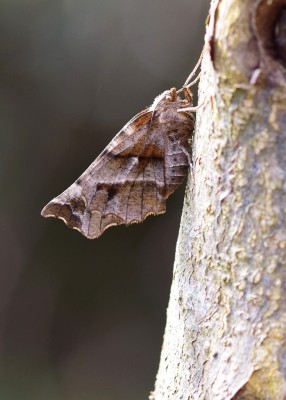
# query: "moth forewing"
[[135, 174]]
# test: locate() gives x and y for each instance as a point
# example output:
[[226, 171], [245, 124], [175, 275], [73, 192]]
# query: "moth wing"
[[124, 185]]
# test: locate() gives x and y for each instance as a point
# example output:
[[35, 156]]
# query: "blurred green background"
[[82, 319]]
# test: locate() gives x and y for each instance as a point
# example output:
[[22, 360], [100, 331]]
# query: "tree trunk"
[[225, 336]]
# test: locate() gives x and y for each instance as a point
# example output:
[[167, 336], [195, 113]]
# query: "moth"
[[135, 174]]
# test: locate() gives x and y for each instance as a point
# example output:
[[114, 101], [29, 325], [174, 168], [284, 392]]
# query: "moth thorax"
[[168, 113]]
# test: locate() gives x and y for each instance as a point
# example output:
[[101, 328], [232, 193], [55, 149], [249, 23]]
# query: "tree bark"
[[225, 335]]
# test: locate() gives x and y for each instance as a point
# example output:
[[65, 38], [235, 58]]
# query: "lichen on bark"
[[225, 335]]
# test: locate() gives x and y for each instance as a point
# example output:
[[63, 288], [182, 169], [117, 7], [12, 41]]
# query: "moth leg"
[[189, 157], [193, 109], [191, 174]]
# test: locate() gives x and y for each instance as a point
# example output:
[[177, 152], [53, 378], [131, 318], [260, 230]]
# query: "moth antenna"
[[193, 82], [190, 84], [193, 73]]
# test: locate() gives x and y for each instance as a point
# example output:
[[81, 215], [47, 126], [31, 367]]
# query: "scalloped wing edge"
[[74, 217]]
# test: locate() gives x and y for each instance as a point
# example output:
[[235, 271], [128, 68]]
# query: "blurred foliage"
[[82, 319]]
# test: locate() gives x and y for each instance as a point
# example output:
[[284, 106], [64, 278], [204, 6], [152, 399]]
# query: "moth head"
[[164, 100]]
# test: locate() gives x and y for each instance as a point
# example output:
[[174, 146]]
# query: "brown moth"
[[135, 174]]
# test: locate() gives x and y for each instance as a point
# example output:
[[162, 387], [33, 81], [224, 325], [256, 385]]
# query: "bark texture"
[[225, 336]]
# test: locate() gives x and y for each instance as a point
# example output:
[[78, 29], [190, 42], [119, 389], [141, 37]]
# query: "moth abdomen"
[[179, 159]]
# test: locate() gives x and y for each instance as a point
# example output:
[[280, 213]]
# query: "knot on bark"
[[270, 21]]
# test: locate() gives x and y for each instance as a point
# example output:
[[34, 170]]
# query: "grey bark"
[[225, 334]]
